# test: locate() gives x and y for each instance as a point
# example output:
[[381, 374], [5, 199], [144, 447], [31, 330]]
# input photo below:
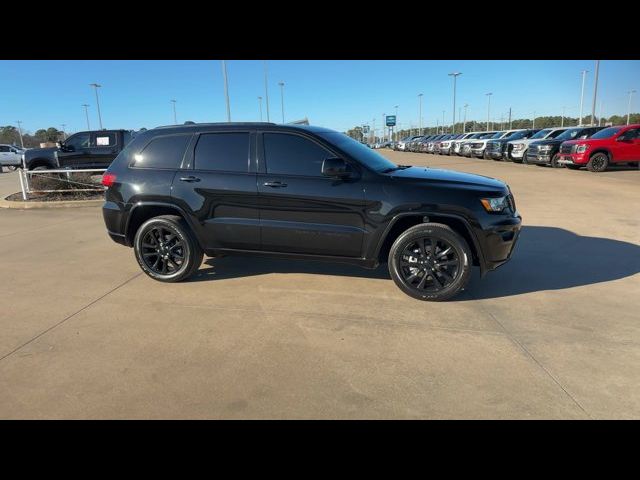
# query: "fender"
[[464, 221], [171, 206]]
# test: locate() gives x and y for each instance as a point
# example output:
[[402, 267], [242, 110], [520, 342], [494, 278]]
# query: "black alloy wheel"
[[598, 162]]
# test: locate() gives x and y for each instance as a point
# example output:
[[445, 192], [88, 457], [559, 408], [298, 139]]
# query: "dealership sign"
[[391, 120]]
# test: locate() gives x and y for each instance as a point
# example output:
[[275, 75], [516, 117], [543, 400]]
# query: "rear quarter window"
[[162, 152]]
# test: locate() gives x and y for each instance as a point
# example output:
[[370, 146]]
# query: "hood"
[[48, 152], [438, 175], [549, 141], [590, 141]]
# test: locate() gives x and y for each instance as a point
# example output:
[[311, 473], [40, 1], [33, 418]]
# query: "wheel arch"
[[40, 162], [601, 150], [403, 221], [141, 212]]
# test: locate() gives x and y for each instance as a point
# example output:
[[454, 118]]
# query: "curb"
[[22, 205]]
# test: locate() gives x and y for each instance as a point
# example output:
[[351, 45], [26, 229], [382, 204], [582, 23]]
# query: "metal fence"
[[58, 175]]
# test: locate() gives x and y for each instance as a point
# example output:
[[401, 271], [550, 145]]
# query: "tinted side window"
[[293, 155], [163, 152], [4, 148], [78, 141], [227, 152]]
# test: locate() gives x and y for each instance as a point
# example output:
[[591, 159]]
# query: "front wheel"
[[166, 249], [598, 162], [554, 161], [430, 262]]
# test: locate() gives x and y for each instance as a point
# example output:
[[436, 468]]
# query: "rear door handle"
[[190, 178], [275, 184]]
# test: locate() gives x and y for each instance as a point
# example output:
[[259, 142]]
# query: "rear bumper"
[[114, 219]]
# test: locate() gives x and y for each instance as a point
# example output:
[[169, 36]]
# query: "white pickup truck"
[[10, 156]]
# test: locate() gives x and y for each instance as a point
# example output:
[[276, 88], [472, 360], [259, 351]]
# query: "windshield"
[[542, 133], [569, 134], [517, 135], [363, 154], [606, 133], [498, 135], [486, 135]]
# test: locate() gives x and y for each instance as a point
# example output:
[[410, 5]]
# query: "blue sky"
[[335, 94]]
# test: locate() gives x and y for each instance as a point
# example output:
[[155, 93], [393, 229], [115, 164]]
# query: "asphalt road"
[[555, 333]]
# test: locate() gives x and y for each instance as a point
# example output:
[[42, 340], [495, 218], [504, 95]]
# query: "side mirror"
[[335, 167], [621, 138]]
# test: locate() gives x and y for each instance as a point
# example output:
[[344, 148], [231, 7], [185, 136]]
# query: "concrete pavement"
[[553, 334]]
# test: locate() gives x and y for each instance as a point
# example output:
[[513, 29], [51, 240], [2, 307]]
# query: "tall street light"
[[86, 114], [175, 117], [584, 73], [488, 108], [595, 93], [20, 132], [394, 128], [260, 106], [96, 86], [226, 89], [454, 75], [631, 92], [562, 121], [420, 113], [64, 134], [443, 130], [282, 98], [464, 123], [266, 89]]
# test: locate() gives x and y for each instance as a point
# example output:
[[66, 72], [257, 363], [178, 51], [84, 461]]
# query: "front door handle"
[[190, 178], [275, 184]]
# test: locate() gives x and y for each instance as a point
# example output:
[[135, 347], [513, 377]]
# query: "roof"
[[231, 125]]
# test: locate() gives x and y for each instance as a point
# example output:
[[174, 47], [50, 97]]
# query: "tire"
[[598, 162], [524, 158], [41, 167], [439, 282], [164, 227], [484, 155], [554, 161], [13, 168]]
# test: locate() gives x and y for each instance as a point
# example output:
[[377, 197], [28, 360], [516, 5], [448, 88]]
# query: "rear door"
[[302, 210], [105, 146], [218, 187]]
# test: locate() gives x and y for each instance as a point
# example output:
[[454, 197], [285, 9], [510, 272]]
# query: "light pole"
[[226, 89], [509, 118], [266, 89], [282, 98], [562, 121], [464, 123], [86, 114], [454, 75], [443, 129], [420, 113], [488, 108], [631, 92], [534, 121], [260, 106], [584, 73], [600, 116], [595, 93], [64, 135], [96, 86], [394, 128], [175, 117], [20, 132]]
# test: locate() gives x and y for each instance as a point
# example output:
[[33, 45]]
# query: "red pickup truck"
[[613, 145]]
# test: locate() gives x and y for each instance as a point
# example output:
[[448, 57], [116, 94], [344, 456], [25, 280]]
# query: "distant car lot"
[[551, 334]]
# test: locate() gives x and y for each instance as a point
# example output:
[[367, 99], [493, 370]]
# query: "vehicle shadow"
[[545, 258]]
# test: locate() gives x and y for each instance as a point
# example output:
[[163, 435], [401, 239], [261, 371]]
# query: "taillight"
[[108, 179]]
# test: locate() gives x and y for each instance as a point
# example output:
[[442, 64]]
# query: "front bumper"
[[499, 240], [494, 153], [539, 158], [573, 159], [477, 151], [516, 153]]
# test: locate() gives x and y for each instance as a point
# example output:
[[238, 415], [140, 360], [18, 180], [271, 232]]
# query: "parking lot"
[[555, 333]]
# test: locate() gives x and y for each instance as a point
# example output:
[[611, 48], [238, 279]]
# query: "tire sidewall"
[[456, 241], [184, 237], [590, 166]]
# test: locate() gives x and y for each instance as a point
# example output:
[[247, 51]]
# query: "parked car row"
[[593, 147]]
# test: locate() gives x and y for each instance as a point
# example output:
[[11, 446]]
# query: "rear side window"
[[228, 152], [105, 139], [293, 155], [163, 152]]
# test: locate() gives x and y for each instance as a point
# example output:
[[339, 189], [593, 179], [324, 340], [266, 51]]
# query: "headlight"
[[518, 146], [494, 204], [581, 148], [445, 145]]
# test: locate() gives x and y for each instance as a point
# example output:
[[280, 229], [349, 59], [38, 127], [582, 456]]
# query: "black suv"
[[547, 152], [301, 192]]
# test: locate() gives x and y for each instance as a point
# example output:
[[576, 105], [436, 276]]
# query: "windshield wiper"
[[393, 169]]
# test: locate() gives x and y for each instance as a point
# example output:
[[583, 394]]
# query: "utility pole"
[[595, 92], [631, 92], [562, 121], [510, 118], [384, 126], [437, 127], [443, 130], [394, 128], [534, 120], [64, 134], [20, 132], [86, 114], [464, 124], [175, 117], [584, 73], [600, 117], [488, 108], [420, 113], [226, 89], [96, 86], [260, 106], [282, 98], [454, 75], [266, 89]]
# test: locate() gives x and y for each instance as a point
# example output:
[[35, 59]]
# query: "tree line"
[[11, 135], [475, 126]]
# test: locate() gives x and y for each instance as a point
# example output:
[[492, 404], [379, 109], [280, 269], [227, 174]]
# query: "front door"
[[75, 151], [627, 146], [219, 189], [303, 211]]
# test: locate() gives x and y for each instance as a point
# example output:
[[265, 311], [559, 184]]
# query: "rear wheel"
[[430, 262], [554, 161], [598, 162], [166, 249]]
